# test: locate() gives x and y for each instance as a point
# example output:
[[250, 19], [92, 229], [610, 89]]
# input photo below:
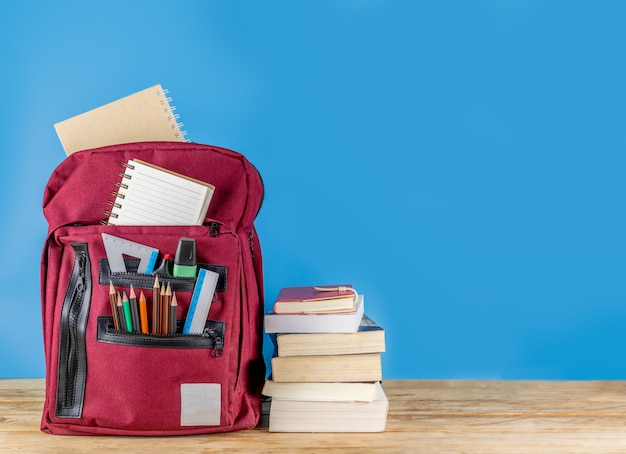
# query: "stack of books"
[[326, 369]]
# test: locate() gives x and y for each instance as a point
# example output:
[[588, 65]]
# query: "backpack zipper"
[[211, 337], [72, 365], [251, 242]]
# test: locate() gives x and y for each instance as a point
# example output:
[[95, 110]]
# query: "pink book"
[[316, 299]]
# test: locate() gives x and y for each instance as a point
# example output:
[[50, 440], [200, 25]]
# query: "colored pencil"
[[120, 312], [173, 309], [134, 310], [156, 314], [164, 310], [113, 301], [143, 312], [127, 314]]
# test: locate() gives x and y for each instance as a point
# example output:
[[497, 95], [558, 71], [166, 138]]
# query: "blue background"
[[460, 162]]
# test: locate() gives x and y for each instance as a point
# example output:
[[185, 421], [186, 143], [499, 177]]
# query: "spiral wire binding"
[[172, 118], [117, 194]]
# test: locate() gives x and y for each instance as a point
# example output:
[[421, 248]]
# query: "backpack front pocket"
[[134, 382], [141, 382]]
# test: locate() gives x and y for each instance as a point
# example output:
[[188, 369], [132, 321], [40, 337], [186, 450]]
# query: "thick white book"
[[370, 338], [338, 391], [345, 322], [327, 368], [328, 416]]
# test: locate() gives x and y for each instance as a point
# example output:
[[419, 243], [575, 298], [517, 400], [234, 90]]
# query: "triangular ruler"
[[116, 248]]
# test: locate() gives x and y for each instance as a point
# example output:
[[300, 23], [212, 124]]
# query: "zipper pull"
[[215, 229], [217, 340]]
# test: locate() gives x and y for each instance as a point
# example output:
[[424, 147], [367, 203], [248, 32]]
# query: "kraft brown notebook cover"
[[143, 116]]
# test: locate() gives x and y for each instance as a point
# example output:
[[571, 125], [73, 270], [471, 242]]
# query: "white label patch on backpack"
[[200, 404]]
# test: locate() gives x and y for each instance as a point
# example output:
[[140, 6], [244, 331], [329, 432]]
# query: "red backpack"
[[102, 379]]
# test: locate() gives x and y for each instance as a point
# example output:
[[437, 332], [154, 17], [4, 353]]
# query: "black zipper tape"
[[146, 281], [211, 337], [72, 370]]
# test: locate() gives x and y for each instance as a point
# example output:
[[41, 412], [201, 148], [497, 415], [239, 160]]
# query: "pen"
[[163, 269]]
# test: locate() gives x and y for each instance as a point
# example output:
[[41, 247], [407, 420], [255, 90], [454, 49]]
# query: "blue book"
[[200, 301]]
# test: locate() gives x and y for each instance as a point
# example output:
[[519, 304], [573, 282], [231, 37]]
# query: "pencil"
[[173, 308], [120, 312], [168, 302], [134, 310], [165, 310], [156, 319], [127, 315], [113, 301], [143, 312]]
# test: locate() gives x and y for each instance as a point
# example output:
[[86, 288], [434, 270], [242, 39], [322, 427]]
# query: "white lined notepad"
[[152, 195]]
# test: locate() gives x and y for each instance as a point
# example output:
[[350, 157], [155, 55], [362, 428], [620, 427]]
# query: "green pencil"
[[127, 314]]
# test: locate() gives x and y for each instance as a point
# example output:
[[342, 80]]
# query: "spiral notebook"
[[151, 195], [143, 116]]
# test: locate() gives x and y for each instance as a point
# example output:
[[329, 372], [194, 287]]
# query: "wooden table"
[[424, 416]]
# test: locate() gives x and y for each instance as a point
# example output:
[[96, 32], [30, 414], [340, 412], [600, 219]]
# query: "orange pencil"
[[143, 312]]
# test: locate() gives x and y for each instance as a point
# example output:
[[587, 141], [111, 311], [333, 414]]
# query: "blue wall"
[[461, 163]]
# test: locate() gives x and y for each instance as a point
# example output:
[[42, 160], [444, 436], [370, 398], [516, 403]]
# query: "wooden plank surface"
[[424, 416]]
